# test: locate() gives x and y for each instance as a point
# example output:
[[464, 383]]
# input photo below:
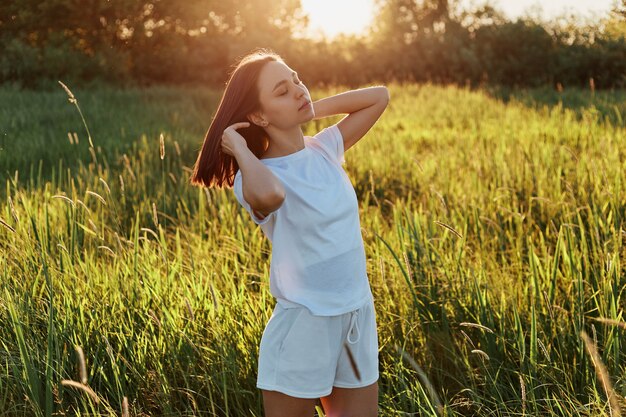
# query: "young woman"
[[296, 189]]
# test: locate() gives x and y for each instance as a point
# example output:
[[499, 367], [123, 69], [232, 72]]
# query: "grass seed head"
[[89, 391], [71, 97], [161, 146], [602, 374], [125, 412], [81, 362]]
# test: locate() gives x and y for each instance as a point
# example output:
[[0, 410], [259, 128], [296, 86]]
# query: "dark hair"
[[241, 97]]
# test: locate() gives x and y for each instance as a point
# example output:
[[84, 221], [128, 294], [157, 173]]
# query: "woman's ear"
[[257, 119]]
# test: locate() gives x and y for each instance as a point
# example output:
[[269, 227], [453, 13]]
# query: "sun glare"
[[329, 18]]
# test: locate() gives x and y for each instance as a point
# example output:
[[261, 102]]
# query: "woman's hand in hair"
[[232, 141]]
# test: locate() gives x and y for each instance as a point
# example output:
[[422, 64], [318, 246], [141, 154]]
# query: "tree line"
[[130, 42]]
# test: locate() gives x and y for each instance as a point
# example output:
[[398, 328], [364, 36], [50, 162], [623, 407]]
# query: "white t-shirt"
[[318, 256]]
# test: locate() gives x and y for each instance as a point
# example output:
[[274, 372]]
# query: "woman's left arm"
[[364, 106]]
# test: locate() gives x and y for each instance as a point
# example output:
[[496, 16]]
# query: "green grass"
[[494, 232]]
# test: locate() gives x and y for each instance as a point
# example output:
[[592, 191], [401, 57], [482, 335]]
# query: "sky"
[[331, 17]]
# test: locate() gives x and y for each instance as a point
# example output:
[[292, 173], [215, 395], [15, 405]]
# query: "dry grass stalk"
[[5, 224], [372, 190], [108, 249], [105, 185], [125, 412], [98, 196], [64, 198], [491, 222], [215, 304], [154, 317], [93, 226], [93, 154], [545, 294], [60, 245], [560, 309], [191, 315], [443, 202], [418, 164], [408, 265], [468, 339], [155, 217], [603, 375], [119, 242], [71, 97], [592, 85], [82, 366], [450, 228], [161, 146], [612, 322], [13, 211], [423, 378], [478, 326], [75, 384], [83, 205], [145, 229], [128, 168], [109, 348], [523, 388], [543, 348], [481, 354], [353, 365]]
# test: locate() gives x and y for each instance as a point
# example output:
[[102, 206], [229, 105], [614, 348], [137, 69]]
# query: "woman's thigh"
[[277, 404], [362, 402]]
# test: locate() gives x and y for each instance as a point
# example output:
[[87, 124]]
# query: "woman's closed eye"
[[285, 92]]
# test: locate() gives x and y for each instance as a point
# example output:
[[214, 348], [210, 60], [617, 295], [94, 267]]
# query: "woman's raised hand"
[[232, 140]]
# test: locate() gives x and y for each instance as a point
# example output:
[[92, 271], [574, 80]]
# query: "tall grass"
[[494, 234]]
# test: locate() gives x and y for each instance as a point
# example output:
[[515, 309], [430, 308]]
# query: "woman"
[[295, 188]]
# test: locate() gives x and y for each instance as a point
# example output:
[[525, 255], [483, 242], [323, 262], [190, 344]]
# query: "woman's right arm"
[[261, 188]]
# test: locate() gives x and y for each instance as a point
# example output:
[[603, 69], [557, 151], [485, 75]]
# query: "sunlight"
[[518, 8], [329, 18]]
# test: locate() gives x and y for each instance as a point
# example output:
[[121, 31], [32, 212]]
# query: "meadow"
[[493, 224]]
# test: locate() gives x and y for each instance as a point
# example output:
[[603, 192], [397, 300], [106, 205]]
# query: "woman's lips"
[[304, 105]]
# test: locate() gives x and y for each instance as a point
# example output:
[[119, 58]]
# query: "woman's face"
[[282, 94]]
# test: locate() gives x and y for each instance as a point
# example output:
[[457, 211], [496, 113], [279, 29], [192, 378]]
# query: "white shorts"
[[303, 355]]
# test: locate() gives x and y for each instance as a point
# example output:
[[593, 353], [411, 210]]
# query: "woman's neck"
[[283, 143]]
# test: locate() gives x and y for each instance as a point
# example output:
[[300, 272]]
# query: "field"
[[493, 224]]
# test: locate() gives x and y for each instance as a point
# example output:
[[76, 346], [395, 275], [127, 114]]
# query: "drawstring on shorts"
[[354, 325]]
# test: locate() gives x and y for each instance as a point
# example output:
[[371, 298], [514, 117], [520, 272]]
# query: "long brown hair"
[[241, 97]]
